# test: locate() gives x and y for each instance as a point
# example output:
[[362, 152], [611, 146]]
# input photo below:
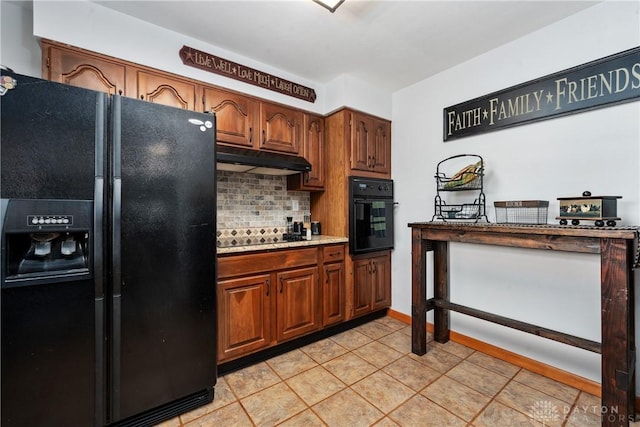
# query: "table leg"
[[618, 332], [418, 293], [441, 290]]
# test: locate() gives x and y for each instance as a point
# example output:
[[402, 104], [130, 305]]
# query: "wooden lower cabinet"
[[334, 287], [244, 313], [297, 308], [267, 298], [371, 283]]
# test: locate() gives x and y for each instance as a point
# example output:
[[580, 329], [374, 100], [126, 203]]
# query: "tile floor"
[[367, 376]]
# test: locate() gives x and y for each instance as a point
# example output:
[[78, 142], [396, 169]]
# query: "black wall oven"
[[370, 214]]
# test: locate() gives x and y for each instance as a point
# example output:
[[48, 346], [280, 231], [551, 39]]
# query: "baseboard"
[[532, 365]]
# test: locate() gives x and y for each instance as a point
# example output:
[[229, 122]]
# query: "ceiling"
[[388, 43]]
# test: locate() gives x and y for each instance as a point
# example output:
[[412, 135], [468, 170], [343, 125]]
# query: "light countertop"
[[315, 241]]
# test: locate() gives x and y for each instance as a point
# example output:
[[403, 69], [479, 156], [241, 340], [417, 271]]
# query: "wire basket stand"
[[469, 179]]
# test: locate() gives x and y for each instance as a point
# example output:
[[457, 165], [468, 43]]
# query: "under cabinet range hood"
[[237, 159]]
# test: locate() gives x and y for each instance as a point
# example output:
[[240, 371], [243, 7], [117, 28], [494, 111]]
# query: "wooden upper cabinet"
[[370, 144], [313, 149], [380, 146], [82, 69], [280, 128], [237, 117], [163, 89], [360, 140]]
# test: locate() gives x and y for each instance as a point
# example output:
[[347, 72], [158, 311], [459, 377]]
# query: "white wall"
[[19, 50], [96, 28], [597, 151]]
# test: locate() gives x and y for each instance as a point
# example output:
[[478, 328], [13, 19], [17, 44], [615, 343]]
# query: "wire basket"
[[522, 211]]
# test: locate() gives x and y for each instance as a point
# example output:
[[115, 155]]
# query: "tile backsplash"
[[252, 208]]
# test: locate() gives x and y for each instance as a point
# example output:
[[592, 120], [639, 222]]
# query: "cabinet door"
[[244, 316], [381, 281], [83, 70], [380, 146], [360, 134], [162, 89], [280, 128], [333, 304], [361, 287], [236, 117], [297, 302], [313, 150]]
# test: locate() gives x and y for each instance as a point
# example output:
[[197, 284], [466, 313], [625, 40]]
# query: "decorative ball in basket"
[[601, 209]]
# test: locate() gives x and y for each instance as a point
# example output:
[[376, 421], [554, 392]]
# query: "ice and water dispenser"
[[45, 241]]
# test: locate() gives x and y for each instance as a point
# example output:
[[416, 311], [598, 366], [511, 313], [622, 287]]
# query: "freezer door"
[[164, 215], [51, 139]]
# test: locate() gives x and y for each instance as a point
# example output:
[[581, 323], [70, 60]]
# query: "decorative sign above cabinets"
[[214, 64], [601, 83]]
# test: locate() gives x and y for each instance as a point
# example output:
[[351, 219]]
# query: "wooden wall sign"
[[214, 64], [600, 83]]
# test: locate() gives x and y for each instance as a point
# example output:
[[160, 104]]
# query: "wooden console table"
[[617, 249]]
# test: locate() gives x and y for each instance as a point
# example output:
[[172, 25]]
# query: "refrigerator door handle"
[[98, 257], [116, 261]]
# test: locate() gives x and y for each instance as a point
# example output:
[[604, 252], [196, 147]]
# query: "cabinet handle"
[[373, 162], [375, 269], [250, 134], [264, 136], [281, 284], [268, 287]]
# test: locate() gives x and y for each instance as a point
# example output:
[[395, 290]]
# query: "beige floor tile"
[[351, 339], [251, 379], [420, 411], [228, 416], [498, 415], [548, 386], [534, 403], [454, 348], [386, 422], [174, 422], [324, 350], [397, 341], [273, 405], [349, 368], [411, 373], [579, 418], [407, 331], [478, 378], [291, 363], [392, 323], [315, 384], [463, 401], [437, 359], [589, 403], [304, 419], [347, 408], [378, 354], [493, 364], [374, 330], [356, 377], [383, 391], [222, 396]]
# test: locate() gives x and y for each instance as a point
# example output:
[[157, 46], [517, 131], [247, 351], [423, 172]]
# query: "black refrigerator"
[[108, 271]]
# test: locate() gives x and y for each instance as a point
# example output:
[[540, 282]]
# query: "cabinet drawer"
[[333, 253], [237, 265]]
